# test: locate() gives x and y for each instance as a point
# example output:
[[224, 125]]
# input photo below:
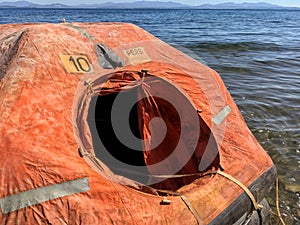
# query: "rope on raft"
[[256, 205], [246, 189]]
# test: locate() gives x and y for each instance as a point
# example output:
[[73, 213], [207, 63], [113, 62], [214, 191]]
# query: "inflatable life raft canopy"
[[103, 123]]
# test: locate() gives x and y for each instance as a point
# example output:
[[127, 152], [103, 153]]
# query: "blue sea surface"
[[257, 54]]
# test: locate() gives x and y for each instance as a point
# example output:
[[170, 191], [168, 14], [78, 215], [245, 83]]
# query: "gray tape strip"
[[222, 115], [43, 194]]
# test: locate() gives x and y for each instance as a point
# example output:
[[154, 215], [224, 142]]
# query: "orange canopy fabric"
[[51, 77]]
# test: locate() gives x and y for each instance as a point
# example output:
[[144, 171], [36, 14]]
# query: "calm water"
[[257, 53]]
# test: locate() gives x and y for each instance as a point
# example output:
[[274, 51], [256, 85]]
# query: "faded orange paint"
[[41, 94]]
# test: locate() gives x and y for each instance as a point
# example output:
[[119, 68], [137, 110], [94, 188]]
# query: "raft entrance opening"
[[169, 135]]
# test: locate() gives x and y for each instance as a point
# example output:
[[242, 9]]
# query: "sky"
[[188, 2]]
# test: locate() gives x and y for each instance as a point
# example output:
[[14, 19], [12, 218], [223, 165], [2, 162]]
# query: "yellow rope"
[[257, 206], [247, 191], [191, 208], [277, 202]]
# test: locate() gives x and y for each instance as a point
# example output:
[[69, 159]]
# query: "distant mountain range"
[[147, 5]]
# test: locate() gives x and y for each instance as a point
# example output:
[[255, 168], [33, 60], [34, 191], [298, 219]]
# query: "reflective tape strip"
[[221, 116], [43, 194]]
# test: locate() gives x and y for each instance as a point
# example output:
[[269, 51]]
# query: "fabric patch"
[[137, 55], [43, 194], [221, 116]]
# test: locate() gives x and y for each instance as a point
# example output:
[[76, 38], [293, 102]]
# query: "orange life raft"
[[102, 123]]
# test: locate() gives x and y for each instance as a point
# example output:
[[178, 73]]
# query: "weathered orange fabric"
[[43, 124]]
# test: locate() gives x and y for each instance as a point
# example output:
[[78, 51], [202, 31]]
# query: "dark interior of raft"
[[112, 146]]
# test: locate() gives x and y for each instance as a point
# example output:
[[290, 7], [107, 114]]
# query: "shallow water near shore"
[[257, 54]]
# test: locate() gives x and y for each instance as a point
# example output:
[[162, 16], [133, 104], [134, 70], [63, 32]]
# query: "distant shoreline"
[[154, 8], [148, 5]]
